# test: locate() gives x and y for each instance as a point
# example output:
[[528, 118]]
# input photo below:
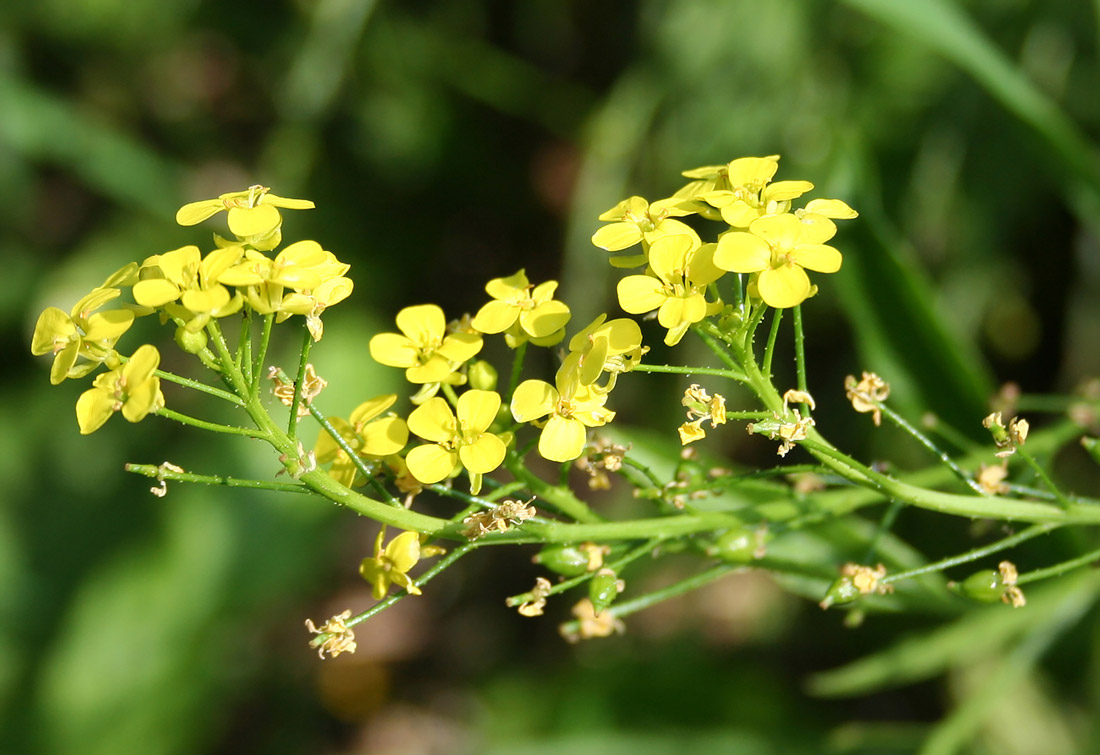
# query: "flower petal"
[[640, 293], [562, 439], [741, 252], [784, 286], [393, 350], [424, 324], [545, 319], [821, 258], [483, 455], [617, 236], [495, 317], [431, 463], [433, 420], [477, 410], [384, 436], [533, 399]]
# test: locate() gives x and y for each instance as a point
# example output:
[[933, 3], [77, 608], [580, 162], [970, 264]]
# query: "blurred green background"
[[447, 143]]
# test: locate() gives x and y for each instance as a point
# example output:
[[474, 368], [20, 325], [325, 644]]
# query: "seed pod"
[[566, 560], [191, 342], [603, 589]]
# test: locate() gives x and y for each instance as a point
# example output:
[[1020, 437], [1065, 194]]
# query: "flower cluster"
[[191, 290], [764, 238]]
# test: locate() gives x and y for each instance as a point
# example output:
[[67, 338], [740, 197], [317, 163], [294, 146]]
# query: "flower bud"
[[482, 376], [191, 342], [842, 591], [984, 586], [738, 545]]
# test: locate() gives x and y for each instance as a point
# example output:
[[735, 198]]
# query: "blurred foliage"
[[448, 143]]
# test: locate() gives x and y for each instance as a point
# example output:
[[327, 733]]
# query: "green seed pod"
[[1092, 445], [984, 586], [191, 342], [482, 376], [738, 545], [566, 560], [840, 592], [603, 589]]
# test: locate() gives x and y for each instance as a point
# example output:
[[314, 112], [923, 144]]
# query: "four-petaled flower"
[[681, 269], [570, 406], [253, 216], [459, 438], [777, 248], [636, 220], [83, 332], [370, 434], [751, 194], [424, 348], [187, 285], [390, 565], [132, 388], [522, 311]]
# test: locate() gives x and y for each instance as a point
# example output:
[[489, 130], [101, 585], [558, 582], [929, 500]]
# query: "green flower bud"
[[191, 342], [566, 560], [482, 376], [603, 589]]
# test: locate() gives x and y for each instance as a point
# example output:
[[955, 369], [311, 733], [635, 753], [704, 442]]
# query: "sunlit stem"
[[975, 554], [356, 459], [261, 354], [296, 401], [244, 348], [517, 369], [203, 387], [160, 473], [769, 349], [213, 427], [925, 441], [1049, 483], [1088, 559]]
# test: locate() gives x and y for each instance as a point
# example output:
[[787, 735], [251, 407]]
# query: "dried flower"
[[312, 384], [501, 518], [867, 394], [333, 637]]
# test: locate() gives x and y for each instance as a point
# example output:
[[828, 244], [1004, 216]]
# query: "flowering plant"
[[464, 434]]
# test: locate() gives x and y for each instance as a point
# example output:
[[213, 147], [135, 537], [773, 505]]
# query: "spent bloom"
[[779, 249], [701, 406], [132, 388], [457, 439], [867, 394], [680, 269], [522, 311], [334, 636]]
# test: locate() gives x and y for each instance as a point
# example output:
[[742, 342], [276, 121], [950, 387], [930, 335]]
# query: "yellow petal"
[[495, 317], [640, 293], [545, 319], [196, 212], [533, 399], [393, 350], [245, 222], [740, 252], [476, 411], [53, 329], [424, 324], [435, 370], [108, 326], [617, 236], [562, 439], [508, 288], [752, 170], [371, 408], [94, 407], [831, 208], [384, 436], [404, 551], [483, 455], [289, 204], [459, 347], [819, 257], [783, 190], [784, 286], [155, 292], [431, 463], [433, 420]]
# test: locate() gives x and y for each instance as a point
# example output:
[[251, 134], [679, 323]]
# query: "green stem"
[[296, 401], [769, 348], [211, 426], [1059, 569], [1049, 483], [925, 441], [615, 566], [800, 355], [517, 369], [244, 347], [261, 355], [203, 387], [561, 499], [159, 473], [689, 371], [973, 555]]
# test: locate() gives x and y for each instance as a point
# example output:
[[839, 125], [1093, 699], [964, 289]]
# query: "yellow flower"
[[636, 220], [611, 346], [390, 565], [83, 332], [751, 194], [252, 214], [571, 409], [680, 271], [428, 354], [370, 434], [459, 438], [132, 388], [187, 286], [523, 311], [778, 247]]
